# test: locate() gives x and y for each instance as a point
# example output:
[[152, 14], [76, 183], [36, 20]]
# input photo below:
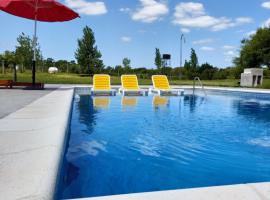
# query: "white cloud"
[[87, 8], [243, 20], [142, 31], [266, 23], [230, 53], [126, 39], [250, 33], [203, 41], [185, 30], [266, 4], [228, 47], [207, 48], [228, 59], [150, 11], [125, 10], [239, 31], [193, 15]]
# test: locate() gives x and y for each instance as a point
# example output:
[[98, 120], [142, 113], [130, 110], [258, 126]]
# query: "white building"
[[252, 77]]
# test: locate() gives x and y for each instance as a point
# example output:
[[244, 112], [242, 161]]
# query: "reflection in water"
[[129, 101], [160, 101], [86, 148], [263, 141], [86, 111], [193, 101], [101, 102], [254, 109], [72, 172]]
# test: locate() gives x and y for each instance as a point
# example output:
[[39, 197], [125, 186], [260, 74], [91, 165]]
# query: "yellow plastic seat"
[[162, 86], [130, 85], [102, 85], [161, 82]]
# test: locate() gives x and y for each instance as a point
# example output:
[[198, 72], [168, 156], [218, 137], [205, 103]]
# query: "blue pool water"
[[121, 145]]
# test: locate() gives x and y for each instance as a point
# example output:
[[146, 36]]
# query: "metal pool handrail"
[[201, 84]]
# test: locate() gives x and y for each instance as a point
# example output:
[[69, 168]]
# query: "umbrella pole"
[[34, 59]]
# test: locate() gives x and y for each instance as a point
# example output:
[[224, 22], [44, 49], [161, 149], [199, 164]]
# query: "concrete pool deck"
[[31, 146], [32, 139], [15, 99]]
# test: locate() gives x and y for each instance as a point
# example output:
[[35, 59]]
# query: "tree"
[[191, 67], [118, 69], [24, 51], [158, 59], [206, 71], [255, 51], [10, 59], [87, 54], [193, 60], [126, 63]]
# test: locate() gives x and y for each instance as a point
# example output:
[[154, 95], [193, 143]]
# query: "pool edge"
[[252, 191], [32, 150]]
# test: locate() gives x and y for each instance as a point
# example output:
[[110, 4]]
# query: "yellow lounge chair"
[[102, 85], [162, 86], [130, 86]]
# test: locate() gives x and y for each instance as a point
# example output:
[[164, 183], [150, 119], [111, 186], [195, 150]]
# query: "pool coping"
[[32, 142], [253, 191], [31, 153]]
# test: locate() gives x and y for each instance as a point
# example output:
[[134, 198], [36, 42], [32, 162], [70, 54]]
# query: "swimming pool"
[[121, 145]]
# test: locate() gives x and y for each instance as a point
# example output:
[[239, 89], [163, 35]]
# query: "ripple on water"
[[261, 141]]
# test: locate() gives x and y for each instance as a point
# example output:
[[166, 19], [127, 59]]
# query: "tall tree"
[[126, 63], [158, 59], [191, 67], [255, 50], [88, 56], [10, 60], [24, 51], [194, 59]]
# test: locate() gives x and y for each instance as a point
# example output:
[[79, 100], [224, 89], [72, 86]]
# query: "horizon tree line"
[[255, 52]]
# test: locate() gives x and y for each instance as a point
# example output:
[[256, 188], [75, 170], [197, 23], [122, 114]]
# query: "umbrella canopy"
[[40, 10]]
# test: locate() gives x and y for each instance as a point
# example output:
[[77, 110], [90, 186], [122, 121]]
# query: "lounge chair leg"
[[146, 93]]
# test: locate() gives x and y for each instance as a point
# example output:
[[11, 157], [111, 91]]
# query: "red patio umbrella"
[[38, 10]]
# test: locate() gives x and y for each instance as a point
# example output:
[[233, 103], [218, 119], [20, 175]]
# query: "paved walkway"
[[12, 100]]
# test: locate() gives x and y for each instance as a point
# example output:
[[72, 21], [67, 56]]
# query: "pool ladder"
[[201, 84]]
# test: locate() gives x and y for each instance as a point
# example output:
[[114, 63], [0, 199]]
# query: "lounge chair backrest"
[[130, 82], [160, 82], [101, 82]]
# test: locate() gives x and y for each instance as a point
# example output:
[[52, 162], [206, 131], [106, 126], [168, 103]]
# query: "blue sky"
[[134, 28]]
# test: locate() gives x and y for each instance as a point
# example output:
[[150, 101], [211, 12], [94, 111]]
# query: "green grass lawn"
[[64, 78]]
